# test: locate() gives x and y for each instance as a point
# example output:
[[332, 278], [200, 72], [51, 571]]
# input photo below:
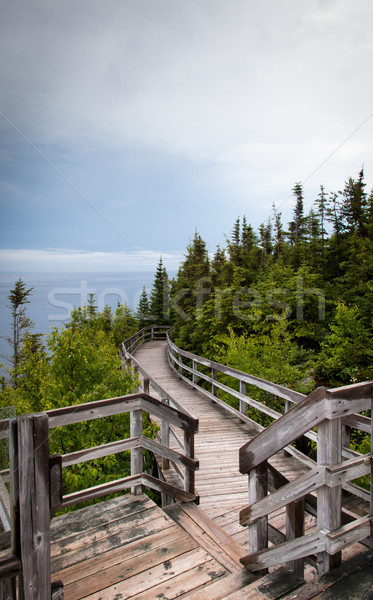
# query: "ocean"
[[56, 294]]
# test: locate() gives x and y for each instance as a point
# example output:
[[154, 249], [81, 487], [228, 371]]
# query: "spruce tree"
[[19, 297], [160, 296], [143, 309]]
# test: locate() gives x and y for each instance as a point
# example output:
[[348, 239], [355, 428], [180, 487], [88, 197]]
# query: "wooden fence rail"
[[36, 481], [325, 409], [333, 413]]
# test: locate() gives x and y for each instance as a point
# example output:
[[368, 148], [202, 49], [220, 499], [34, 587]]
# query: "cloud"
[[65, 260]]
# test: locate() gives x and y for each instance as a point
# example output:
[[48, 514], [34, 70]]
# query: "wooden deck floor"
[[222, 489], [128, 547]]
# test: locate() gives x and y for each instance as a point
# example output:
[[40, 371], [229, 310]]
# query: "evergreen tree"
[[279, 236], [143, 309], [297, 226], [160, 296], [19, 297]]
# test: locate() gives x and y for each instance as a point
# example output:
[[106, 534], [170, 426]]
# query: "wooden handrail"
[[324, 408]]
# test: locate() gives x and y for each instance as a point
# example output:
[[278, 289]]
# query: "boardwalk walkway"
[[221, 487]]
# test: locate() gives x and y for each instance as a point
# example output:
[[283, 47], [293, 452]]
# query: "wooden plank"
[[304, 416], [271, 587], [160, 575], [209, 526], [128, 568], [202, 537], [291, 550], [288, 493], [348, 534], [114, 536], [220, 588], [99, 451], [118, 554], [98, 491], [162, 450], [59, 417]]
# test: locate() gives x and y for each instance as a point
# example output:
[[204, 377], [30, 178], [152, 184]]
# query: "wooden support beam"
[[258, 531], [31, 504], [136, 453], [295, 529], [329, 499]]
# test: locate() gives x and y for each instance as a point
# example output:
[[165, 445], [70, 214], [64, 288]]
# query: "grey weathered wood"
[[288, 551], [214, 377], [243, 393], [59, 417], [136, 453], [165, 437], [55, 482], [4, 506], [295, 529], [304, 416], [8, 589], [101, 490], [189, 478], [329, 500], [170, 454], [258, 531], [290, 492], [95, 452], [32, 518]]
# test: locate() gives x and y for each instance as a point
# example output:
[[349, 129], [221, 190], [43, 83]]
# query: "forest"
[[289, 303]]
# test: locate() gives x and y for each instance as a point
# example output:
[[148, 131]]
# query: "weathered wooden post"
[[294, 529], [165, 437], [195, 369], [189, 475], [146, 385], [258, 531], [136, 453], [329, 499], [31, 504], [242, 402], [214, 376]]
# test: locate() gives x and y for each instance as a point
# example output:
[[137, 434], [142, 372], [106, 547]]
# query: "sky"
[[126, 125]]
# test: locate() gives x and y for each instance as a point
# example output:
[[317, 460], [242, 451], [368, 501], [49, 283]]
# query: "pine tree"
[[19, 297], [143, 309], [160, 296], [279, 233]]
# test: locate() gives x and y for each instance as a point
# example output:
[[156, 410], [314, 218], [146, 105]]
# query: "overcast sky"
[[126, 124]]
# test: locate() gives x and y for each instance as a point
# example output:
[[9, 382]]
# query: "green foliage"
[[77, 364], [159, 305], [124, 324], [259, 356], [347, 352], [300, 276]]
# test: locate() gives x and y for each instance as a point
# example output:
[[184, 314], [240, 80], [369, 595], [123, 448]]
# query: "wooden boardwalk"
[[128, 548], [222, 489]]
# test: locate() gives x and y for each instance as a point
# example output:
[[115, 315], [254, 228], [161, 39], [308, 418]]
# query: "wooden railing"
[[334, 413], [36, 480], [336, 529]]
